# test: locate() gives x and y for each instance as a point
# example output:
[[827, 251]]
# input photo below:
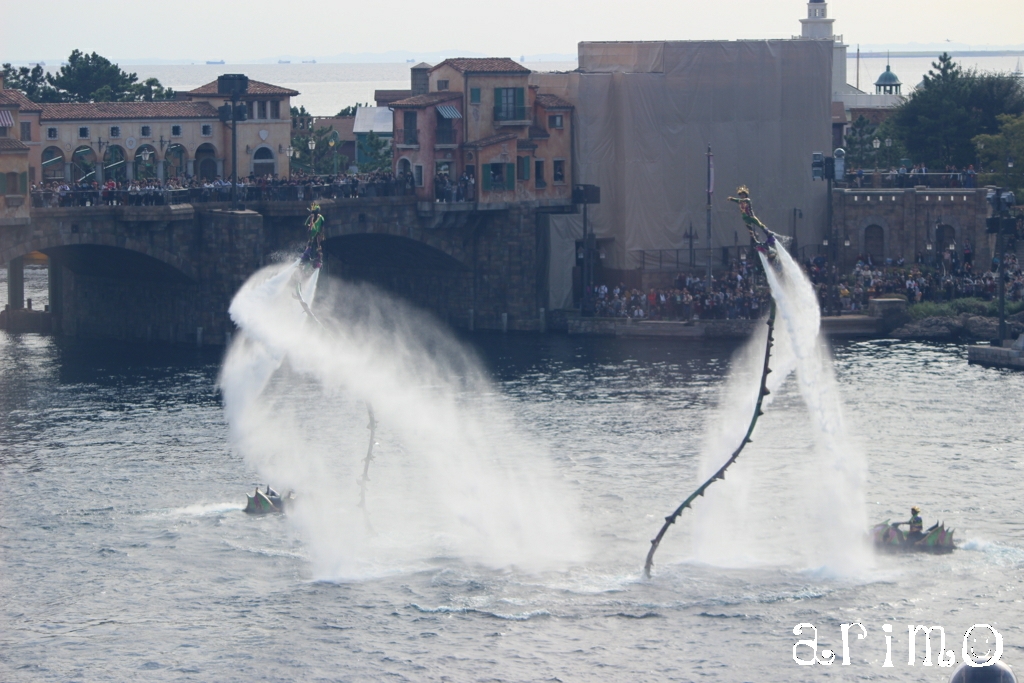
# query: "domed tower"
[[817, 24], [888, 83]]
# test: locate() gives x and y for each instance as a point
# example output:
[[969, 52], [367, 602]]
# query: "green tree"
[[350, 110], [859, 151], [319, 160], [996, 152], [31, 81], [939, 120], [377, 150], [85, 78]]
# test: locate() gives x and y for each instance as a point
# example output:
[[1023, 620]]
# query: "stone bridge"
[[167, 273]]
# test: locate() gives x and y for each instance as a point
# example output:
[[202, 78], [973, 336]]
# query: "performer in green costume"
[[752, 221], [314, 253]]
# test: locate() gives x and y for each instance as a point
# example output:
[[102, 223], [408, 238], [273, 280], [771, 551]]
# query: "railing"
[[444, 136], [895, 180], [510, 113], [408, 136], [271, 193]]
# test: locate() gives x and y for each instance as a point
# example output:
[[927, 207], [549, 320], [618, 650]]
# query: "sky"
[[198, 30]]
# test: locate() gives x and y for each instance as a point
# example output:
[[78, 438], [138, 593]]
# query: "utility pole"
[[711, 191], [234, 86]]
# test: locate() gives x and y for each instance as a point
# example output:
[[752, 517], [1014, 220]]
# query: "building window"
[[418, 172], [538, 173], [207, 130], [26, 131], [442, 85], [83, 132], [509, 104], [147, 131], [261, 109], [115, 131], [275, 109], [51, 133], [558, 174], [175, 131], [474, 95], [3, 131], [555, 121], [522, 168]]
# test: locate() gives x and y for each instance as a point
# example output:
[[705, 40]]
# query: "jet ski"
[[267, 502], [890, 538]]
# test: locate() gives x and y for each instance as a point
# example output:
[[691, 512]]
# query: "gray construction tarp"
[[645, 114]]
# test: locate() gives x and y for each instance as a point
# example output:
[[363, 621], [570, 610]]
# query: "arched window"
[[263, 162], [53, 164]]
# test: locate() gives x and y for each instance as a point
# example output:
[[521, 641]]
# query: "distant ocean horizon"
[[326, 88]]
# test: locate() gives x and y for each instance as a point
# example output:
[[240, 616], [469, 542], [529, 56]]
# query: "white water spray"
[[453, 476], [823, 483]]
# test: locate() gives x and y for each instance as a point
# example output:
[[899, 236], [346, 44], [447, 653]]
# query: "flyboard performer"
[[769, 245], [314, 254]]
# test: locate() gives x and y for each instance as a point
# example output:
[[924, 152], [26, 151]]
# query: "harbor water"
[[505, 542]]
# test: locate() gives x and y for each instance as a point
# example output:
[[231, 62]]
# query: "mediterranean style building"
[[123, 141], [14, 168], [481, 118]]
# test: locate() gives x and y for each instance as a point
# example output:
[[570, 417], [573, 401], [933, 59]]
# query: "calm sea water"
[[124, 553]]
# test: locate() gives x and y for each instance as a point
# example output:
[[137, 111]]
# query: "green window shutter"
[[520, 97], [23, 182], [526, 168], [510, 176], [3, 183], [474, 95], [485, 177], [497, 97]]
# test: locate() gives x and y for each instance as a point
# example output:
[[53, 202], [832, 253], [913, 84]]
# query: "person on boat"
[[752, 222], [916, 525], [314, 253]]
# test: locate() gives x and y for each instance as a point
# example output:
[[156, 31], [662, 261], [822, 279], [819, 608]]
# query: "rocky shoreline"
[[964, 327]]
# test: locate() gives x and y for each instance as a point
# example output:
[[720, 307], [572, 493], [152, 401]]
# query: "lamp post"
[[312, 159], [876, 143]]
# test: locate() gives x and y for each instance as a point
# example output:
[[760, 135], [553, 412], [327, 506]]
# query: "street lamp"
[[876, 143], [290, 151]]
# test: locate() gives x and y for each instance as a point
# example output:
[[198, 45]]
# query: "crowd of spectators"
[[180, 190], [951, 177], [742, 293]]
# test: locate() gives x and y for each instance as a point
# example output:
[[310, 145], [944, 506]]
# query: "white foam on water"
[[453, 475]]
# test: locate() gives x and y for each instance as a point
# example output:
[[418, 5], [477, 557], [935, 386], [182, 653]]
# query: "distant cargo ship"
[[309, 61], [283, 61], [211, 61]]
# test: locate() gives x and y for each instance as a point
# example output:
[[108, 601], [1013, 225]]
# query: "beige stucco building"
[[14, 155], [481, 117], [138, 140]]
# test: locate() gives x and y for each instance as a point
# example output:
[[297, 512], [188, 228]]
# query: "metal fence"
[[889, 180], [198, 195]]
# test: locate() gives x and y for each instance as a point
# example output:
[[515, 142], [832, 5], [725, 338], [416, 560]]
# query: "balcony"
[[445, 137], [506, 115], [407, 138]]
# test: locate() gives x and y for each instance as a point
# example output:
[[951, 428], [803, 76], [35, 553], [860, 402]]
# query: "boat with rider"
[[267, 502]]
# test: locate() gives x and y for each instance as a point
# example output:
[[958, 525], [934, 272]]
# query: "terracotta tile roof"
[[255, 88], [552, 101], [128, 110], [385, 97], [16, 97], [12, 145], [426, 100], [492, 140], [479, 65], [538, 133]]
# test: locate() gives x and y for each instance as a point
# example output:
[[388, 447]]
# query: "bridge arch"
[[72, 237], [408, 268]]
